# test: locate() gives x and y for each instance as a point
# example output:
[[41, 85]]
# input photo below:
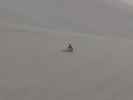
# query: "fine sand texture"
[[33, 67]]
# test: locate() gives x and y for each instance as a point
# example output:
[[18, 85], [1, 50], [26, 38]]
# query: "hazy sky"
[[100, 16]]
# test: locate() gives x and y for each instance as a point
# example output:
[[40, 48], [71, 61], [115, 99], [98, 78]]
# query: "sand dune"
[[32, 67]]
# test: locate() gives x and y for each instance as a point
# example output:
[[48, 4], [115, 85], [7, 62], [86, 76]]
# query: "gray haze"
[[91, 16], [32, 66]]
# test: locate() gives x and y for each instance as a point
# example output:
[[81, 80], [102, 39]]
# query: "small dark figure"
[[70, 48]]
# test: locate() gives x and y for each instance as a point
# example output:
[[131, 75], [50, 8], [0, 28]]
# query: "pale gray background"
[[91, 16], [32, 66]]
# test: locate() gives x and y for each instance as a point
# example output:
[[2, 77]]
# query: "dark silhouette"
[[69, 48]]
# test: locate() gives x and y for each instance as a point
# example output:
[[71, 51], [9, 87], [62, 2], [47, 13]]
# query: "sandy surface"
[[32, 67]]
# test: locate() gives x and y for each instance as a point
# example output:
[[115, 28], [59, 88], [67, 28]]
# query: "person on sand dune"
[[69, 48]]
